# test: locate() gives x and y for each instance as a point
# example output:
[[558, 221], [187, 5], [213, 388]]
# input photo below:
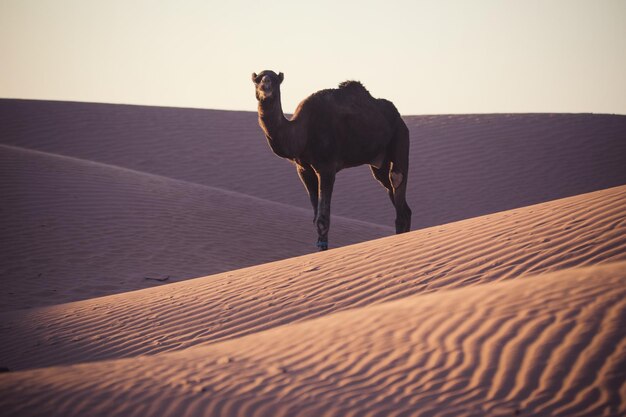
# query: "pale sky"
[[428, 57]]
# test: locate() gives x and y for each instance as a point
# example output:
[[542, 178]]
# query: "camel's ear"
[[281, 77], [254, 77]]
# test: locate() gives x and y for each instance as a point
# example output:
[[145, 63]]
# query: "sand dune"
[[551, 345], [494, 307], [573, 232], [76, 229], [462, 166]]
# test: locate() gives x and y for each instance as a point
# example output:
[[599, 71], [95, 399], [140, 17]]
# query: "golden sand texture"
[[548, 345]]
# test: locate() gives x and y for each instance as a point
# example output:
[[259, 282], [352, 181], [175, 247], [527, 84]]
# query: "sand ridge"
[[572, 232]]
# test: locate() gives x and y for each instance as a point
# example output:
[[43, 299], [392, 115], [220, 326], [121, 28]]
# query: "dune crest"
[[572, 232]]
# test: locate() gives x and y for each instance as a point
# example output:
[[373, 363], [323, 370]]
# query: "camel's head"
[[267, 84]]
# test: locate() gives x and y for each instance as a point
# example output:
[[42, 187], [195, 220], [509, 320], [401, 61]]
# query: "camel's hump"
[[353, 85]]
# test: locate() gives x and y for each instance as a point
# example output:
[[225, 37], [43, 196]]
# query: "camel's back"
[[350, 99], [348, 122]]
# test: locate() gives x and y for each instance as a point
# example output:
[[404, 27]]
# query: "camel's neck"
[[280, 132]]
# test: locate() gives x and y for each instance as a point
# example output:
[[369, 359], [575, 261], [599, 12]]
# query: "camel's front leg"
[[309, 179], [326, 181]]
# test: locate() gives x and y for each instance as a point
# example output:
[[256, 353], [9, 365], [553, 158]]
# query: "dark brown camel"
[[335, 129]]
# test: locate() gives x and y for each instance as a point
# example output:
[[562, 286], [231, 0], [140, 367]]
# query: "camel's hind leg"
[[397, 195], [403, 212], [398, 176]]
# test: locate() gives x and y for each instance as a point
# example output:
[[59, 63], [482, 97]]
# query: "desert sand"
[[79, 229], [160, 261]]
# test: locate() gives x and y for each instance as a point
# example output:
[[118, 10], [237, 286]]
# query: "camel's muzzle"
[[266, 89]]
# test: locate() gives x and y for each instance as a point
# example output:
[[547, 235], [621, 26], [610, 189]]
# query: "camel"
[[335, 129]]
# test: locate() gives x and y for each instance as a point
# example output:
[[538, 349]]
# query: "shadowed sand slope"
[[462, 166], [73, 229], [578, 231], [550, 345]]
